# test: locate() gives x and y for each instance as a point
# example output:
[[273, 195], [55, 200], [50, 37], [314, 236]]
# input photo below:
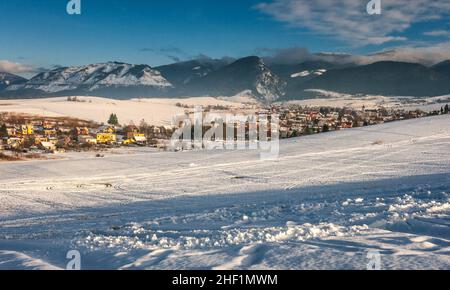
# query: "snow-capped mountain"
[[227, 78], [249, 73], [94, 78], [7, 79]]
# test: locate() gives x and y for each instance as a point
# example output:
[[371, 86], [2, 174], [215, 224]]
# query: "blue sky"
[[40, 34]]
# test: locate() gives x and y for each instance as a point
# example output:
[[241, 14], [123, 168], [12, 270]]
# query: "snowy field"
[[154, 111], [160, 111], [327, 201]]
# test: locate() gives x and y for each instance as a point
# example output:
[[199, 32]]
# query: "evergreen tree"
[[3, 131], [113, 120]]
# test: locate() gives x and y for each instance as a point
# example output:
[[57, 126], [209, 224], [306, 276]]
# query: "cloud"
[[173, 53], [14, 68], [426, 55], [437, 33], [348, 19], [289, 55]]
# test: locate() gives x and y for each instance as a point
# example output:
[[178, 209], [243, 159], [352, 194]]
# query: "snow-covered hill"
[[94, 77], [155, 111], [7, 79], [325, 203]]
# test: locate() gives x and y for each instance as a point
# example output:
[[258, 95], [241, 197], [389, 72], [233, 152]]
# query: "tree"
[[294, 134], [325, 128], [446, 109], [113, 120], [3, 131]]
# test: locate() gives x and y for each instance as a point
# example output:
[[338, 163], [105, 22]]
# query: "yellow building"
[[131, 135], [106, 129], [27, 129], [38, 140], [103, 138], [49, 132]]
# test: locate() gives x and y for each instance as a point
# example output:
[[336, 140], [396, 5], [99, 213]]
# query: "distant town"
[[25, 136]]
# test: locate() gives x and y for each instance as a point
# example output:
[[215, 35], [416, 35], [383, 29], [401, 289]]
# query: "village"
[[26, 134], [31, 136], [296, 120]]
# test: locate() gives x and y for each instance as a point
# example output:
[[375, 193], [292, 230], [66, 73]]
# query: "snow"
[[306, 73], [95, 76], [149, 78], [244, 97], [325, 203], [153, 111], [268, 85], [12, 260], [301, 74]]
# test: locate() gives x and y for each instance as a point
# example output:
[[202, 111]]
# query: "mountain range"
[[7, 79], [267, 82]]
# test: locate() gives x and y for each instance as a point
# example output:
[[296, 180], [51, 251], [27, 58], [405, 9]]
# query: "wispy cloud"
[[173, 53], [426, 55], [14, 68], [438, 33], [290, 55], [348, 19]]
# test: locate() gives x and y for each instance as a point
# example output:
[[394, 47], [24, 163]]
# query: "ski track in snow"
[[323, 204]]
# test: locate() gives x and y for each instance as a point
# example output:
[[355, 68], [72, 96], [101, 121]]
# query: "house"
[[87, 139], [14, 142], [106, 129], [49, 132], [11, 130], [48, 146], [106, 138], [81, 131], [27, 129], [39, 139], [132, 134], [141, 140], [64, 130]]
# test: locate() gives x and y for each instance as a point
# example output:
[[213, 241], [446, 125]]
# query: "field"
[[156, 112], [160, 112], [325, 203]]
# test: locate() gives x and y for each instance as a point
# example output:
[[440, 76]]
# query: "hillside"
[[382, 78], [248, 73], [7, 79], [325, 203]]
